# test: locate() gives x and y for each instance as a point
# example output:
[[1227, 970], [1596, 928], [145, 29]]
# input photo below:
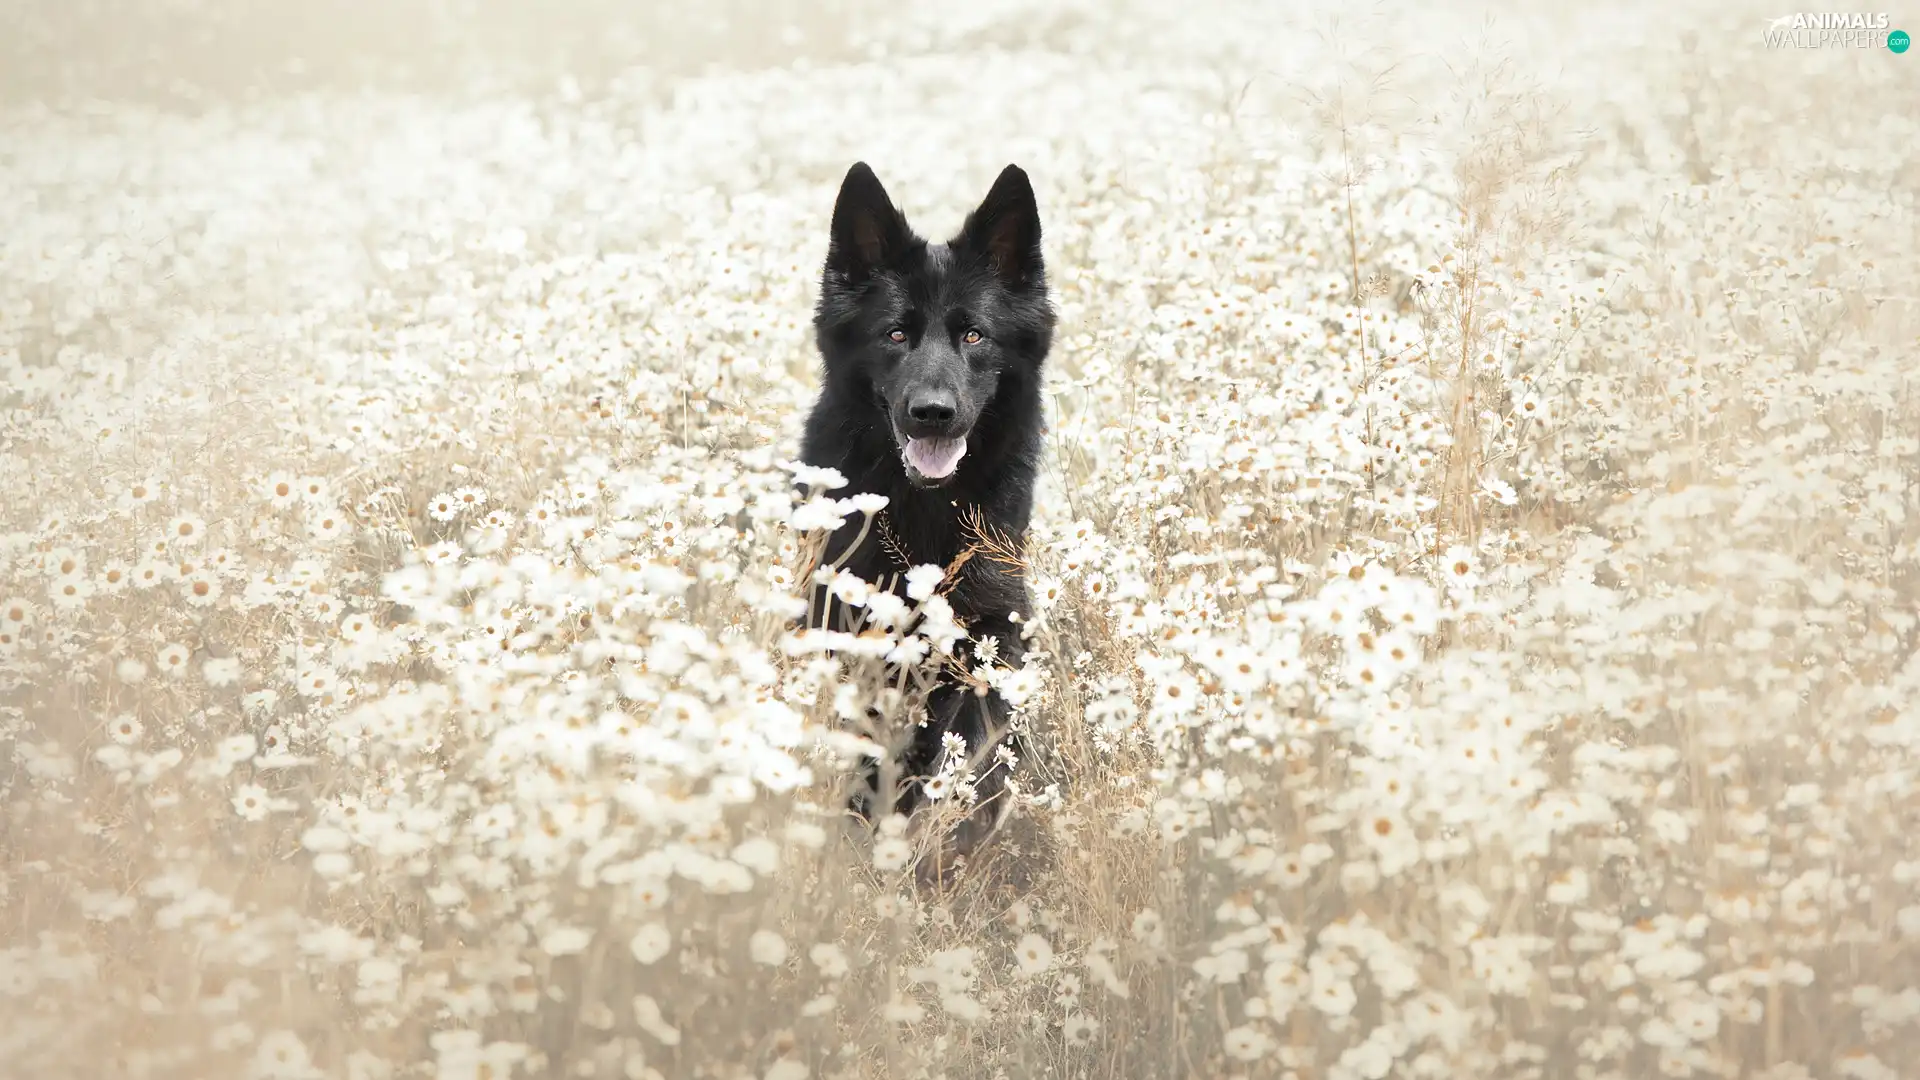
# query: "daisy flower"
[[172, 659], [186, 529], [139, 494], [1033, 955], [281, 490]]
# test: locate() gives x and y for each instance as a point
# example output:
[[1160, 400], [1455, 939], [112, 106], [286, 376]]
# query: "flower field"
[[1478, 557]]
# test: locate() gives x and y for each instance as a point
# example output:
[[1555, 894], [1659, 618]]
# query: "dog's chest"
[[901, 538], [908, 535]]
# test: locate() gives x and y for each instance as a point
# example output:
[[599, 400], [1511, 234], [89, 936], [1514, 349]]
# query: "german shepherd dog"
[[932, 358]]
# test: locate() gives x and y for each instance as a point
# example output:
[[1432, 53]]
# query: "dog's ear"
[[1006, 229], [868, 230]]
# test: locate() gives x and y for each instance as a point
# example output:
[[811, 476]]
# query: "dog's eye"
[[971, 337], [896, 335]]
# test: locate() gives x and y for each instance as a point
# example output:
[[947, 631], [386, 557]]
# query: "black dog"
[[931, 397]]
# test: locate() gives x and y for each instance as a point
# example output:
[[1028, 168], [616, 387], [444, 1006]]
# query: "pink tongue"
[[935, 459]]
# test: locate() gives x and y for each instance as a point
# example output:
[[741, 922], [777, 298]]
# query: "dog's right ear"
[[868, 230]]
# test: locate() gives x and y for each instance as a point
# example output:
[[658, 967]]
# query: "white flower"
[[1245, 1043], [758, 854], [235, 749], [849, 589], [1033, 954], [1148, 929], [252, 802], [1078, 1029], [1225, 967], [1908, 920], [821, 514], [806, 834], [1459, 568], [140, 493], [1372, 1059], [647, 1013], [186, 529], [1504, 964], [151, 572], [280, 1055], [768, 948], [325, 525], [325, 838], [172, 659], [650, 943], [281, 490], [902, 1010], [891, 853], [1101, 966], [1568, 888], [566, 940], [829, 958], [315, 490], [923, 579], [812, 476], [333, 865], [1698, 1018], [1330, 988], [378, 981], [202, 589], [223, 671], [114, 578]]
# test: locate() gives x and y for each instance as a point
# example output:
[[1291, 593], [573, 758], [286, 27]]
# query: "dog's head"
[[935, 336]]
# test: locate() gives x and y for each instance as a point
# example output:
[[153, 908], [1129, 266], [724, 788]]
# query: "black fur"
[[937, 381]]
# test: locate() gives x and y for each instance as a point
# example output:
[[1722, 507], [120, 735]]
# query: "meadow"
[[1477, 552]]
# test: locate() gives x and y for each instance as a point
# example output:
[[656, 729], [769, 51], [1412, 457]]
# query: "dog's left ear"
[[1006, 229]]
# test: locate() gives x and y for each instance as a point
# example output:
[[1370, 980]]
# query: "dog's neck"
[[991, 490]]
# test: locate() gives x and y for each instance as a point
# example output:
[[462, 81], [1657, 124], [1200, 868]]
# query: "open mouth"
[[933, 460]]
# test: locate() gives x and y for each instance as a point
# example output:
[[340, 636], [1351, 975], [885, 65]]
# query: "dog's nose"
[[931, 407]]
